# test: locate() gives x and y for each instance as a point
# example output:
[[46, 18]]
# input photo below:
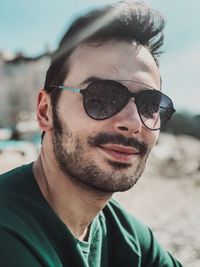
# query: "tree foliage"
[[184, 123]]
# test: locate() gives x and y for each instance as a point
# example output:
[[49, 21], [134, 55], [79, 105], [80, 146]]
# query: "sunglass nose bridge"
[[132, 96], [131, 100], [132, 105]]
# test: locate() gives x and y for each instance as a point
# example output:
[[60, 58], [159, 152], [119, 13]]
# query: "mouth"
[[119, 153]]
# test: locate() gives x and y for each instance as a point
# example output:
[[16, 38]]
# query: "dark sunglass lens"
[[154, 108], [148, 103], [103, 99]]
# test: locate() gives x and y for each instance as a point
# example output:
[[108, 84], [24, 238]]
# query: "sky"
[[32, 26]]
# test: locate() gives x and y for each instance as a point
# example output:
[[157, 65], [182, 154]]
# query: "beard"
[[71, 153]]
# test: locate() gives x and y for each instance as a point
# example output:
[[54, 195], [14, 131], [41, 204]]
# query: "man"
[[100, 113]]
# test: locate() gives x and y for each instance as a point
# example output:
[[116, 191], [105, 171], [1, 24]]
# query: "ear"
[[44, 115]]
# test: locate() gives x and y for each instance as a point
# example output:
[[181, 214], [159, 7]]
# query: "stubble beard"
[[85, 172]]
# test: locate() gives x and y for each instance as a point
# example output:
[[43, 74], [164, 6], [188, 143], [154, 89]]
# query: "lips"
[[118, 152]]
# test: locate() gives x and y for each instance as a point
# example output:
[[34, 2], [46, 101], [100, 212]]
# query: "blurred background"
[[167, 197]]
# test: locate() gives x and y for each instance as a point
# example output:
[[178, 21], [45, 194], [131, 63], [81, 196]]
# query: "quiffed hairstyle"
[[125, 21]]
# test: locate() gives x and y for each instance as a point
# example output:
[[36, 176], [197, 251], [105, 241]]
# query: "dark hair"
[[125, 21]]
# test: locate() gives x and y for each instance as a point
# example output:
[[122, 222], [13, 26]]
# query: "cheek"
[[70, 104], [153, 138], [68, 144], [74, 135]]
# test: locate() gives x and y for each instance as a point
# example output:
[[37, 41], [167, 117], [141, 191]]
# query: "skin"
[[69, 196]]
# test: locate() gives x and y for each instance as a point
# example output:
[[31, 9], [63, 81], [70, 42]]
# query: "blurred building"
[[21, 77]]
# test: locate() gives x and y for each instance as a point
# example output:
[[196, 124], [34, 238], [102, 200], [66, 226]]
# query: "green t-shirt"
[[32, 235]]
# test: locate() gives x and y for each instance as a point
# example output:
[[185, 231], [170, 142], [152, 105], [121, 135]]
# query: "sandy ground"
[[169, 206]]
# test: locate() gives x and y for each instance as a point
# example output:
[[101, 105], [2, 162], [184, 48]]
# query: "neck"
[[75, 205]]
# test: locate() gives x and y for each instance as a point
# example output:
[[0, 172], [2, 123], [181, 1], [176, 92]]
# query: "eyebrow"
[[92, 79]]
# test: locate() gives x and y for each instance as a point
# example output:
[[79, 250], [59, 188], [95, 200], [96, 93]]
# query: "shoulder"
[[8, 182], [11, 173], [136, 236], [15, 181], [15, 192]]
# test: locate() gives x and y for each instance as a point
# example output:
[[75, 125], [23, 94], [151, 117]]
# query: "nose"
[[128, 121]]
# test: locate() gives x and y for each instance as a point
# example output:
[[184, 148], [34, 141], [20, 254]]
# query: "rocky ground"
[[167, 196]]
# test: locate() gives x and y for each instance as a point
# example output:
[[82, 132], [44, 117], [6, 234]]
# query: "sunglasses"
[[103, 99]]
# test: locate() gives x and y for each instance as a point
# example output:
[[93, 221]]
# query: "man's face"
[[107, 155]]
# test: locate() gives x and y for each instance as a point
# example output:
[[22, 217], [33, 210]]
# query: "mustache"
[[117, 139]]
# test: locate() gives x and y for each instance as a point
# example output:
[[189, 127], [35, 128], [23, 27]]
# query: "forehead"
[[113, 60]]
